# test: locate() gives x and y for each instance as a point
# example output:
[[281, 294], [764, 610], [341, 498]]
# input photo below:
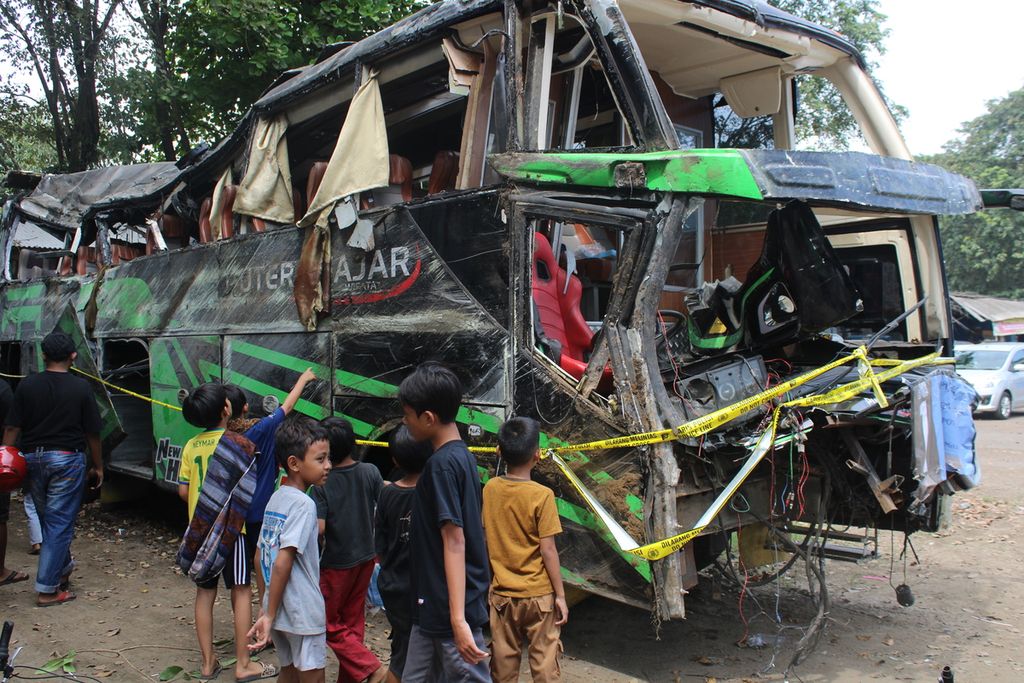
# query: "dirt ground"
[[133, 617]]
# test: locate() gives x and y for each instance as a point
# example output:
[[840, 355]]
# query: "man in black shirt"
[[55, 415], [6, 575]]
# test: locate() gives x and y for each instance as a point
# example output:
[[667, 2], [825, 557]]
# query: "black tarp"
[[68, 200]]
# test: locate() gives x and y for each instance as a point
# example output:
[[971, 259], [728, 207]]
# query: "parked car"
[[996, 371]]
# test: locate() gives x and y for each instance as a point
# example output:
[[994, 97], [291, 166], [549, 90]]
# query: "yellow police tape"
[[765, 443], [868, 380], [123, 390]]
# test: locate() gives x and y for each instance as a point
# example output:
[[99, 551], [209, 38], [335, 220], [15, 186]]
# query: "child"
[[449, 559], [208, 407], [261, 432], [344, 509], [293, 609], [527, 598], [391, 540]]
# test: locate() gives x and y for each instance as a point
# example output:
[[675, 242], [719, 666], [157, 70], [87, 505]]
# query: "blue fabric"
[[262, 434], [56, 482], [957, 428]]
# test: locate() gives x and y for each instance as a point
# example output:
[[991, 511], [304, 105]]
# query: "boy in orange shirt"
[[527, 600]]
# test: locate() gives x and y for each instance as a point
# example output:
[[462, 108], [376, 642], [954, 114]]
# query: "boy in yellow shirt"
[[527, 600], [208, 407]]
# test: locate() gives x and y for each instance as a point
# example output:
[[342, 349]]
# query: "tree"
[[984, 252], [26, 140], [61, 44], [230, 51], [823, 118]]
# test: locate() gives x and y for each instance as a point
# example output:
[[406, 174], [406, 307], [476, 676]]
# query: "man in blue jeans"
[[55, 415]]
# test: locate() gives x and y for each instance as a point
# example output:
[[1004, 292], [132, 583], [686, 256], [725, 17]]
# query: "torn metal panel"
[[403, 278], [845, 179], [243, 285], [111, 432], [29, 311], [70, 199]]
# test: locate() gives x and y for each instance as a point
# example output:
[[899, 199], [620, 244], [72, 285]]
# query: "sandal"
[[14, 577], [60, 599], [34, 549], [269, 671], [198, 675]]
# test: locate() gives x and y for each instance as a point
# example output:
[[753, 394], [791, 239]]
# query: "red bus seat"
[[558, 307]]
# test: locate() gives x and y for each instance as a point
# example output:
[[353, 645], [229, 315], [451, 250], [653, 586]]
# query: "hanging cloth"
[[360, 158], [266, 190], [217, 203]]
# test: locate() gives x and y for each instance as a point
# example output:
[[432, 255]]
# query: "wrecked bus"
[[532, 194]]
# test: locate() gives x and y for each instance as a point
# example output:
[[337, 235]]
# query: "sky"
[[945, 59]]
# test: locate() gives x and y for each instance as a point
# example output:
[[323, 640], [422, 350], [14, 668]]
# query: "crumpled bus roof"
[[68, 200]]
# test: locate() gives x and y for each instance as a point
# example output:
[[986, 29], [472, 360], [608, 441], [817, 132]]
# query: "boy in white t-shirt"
[[293, 612]]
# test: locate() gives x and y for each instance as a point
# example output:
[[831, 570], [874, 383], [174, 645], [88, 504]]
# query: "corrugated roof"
[[31, 236], [989, 308]]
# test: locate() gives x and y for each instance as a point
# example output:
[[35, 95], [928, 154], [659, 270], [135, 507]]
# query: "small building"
[[977, 317]]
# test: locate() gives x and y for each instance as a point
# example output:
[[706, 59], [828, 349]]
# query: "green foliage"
[[63, 664], [984, 252], [26, 139], [230, 51]]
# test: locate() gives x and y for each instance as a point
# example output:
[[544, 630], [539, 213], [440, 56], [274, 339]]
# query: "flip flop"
[[198, 675], [34, 549], [269, 671], [62, 597], [14, 577]]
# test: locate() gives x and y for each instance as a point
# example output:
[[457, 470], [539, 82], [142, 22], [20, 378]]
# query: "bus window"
[[572, 275], [569, 102]]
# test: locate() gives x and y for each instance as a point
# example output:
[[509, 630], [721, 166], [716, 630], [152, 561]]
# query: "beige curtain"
[[360, 158], [217, 201], [266, 190]]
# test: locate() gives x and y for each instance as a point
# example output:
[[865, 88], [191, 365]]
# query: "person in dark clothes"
[[55, 415], [391, 539], [344, 508], [7, 576], [450, 571]]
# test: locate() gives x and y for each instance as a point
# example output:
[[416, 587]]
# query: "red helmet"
[[13, 468]]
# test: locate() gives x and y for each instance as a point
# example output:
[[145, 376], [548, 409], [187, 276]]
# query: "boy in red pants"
[[344, 508]]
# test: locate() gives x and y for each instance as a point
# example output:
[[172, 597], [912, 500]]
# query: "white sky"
[[945, 59]]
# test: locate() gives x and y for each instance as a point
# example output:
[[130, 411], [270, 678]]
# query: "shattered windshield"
[[980, 360]]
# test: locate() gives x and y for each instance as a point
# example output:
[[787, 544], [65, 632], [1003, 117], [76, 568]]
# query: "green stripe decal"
[[693, 171], [489, 423]]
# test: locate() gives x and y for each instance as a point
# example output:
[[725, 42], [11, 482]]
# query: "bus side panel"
[[590, 557], [177, 365], [244, 285], [266, 367]]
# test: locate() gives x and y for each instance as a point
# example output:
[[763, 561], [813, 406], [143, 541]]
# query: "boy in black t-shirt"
[[391, 539], [344, 510], [450, 572]]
